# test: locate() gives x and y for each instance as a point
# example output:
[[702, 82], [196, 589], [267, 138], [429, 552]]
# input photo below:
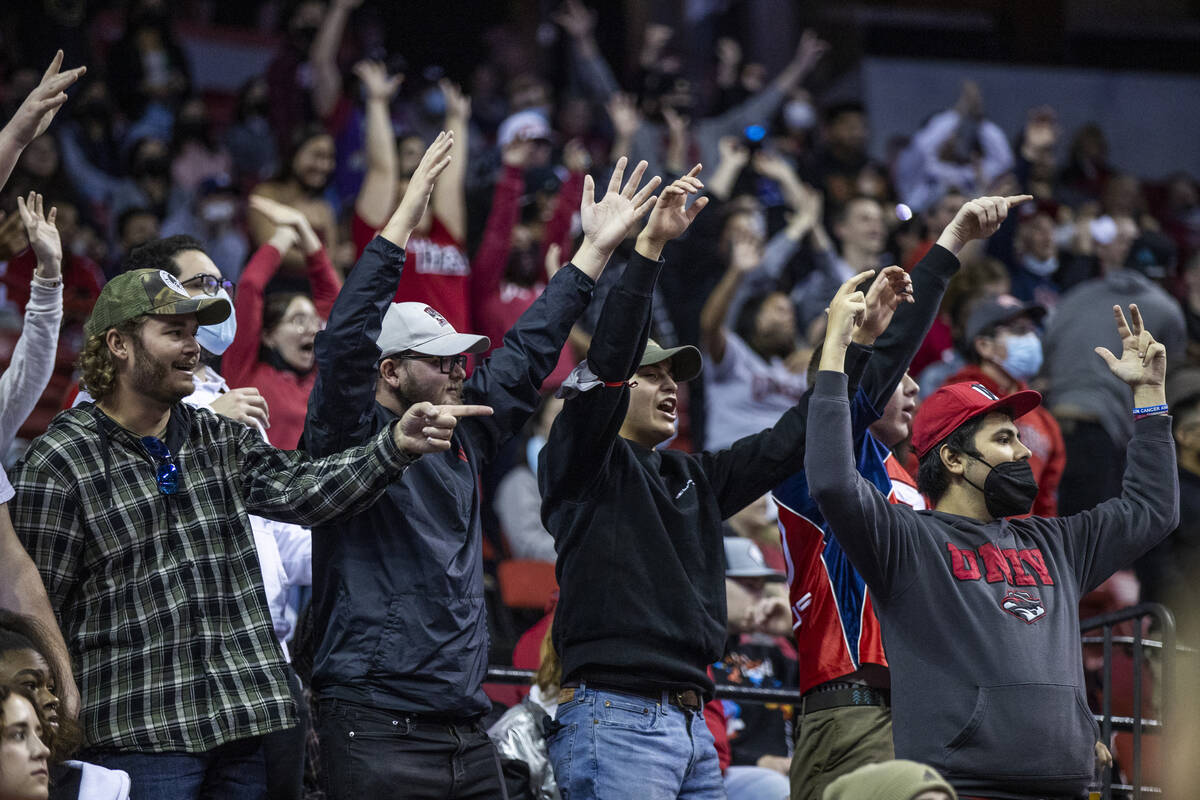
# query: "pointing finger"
[[466, 411], [1017, 199]]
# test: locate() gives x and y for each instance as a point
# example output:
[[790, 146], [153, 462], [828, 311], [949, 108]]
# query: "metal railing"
[[1138, 723], [1165, 645]]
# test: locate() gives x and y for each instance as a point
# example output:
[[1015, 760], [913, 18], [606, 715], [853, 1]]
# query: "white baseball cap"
[[527, 124], [417, 327], [743, 559]]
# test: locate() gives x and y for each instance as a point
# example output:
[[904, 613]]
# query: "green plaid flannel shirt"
[[159, 597]]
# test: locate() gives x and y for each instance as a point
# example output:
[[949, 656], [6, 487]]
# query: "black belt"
[[820, 699], [687, 699]]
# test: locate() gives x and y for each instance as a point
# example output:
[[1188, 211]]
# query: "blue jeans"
[[232, 771], [756, 783], [614, 746]]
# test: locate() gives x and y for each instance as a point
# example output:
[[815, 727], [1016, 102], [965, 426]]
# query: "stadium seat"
[[525, 583]]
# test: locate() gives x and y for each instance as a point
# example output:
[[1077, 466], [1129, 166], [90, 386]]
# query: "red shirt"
[[496, 303], [436, 271], [286, 392]]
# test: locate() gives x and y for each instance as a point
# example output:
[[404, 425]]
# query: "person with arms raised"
[[398, 589], [979, 608]]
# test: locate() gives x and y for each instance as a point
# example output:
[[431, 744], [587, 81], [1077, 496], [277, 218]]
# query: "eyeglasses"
[[304, 322], [445, 363], [167, 474], [209, 284]]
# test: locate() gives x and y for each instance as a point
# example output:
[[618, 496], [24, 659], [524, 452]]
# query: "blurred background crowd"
[[834, 137]]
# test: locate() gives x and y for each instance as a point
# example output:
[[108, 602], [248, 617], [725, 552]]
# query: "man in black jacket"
[[639, 541], [398, 589]]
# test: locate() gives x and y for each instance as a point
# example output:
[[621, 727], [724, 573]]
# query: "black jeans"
[[285, 750], [368, 754]]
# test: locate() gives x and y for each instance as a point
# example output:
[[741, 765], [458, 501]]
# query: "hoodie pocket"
[[1029, 730]]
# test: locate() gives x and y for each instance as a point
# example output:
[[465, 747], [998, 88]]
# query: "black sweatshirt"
[[980, 619], [638, 531]]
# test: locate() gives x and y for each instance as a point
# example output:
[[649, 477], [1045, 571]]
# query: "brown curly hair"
[[96, 365]]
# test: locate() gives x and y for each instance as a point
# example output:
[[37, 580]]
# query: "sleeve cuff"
[[45, 295], [1157, 426], [641, 275], [392, 456], [831, 384], [583, 282], [387, 249]]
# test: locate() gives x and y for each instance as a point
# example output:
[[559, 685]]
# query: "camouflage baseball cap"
[[150, 291]]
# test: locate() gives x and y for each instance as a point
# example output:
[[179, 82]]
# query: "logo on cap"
[[171, 282], [983, 390], [440, 319]]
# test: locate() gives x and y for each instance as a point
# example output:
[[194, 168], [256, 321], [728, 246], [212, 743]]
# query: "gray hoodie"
[[980, 619]]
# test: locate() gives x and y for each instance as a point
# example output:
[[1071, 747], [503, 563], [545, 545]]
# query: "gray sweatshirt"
[[980, 619]]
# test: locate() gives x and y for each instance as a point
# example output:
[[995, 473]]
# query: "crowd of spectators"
[[267, 198]]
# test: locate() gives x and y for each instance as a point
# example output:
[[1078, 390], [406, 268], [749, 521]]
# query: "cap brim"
[[1019, 403], [686, 361], [208, 310], [769, 574], [452, 344]]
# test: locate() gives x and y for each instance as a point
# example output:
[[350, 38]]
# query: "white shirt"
[[745, 393]]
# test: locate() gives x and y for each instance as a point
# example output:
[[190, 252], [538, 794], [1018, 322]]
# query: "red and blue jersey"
[[833, 623]]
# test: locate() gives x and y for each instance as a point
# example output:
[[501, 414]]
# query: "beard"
[[152, 378]]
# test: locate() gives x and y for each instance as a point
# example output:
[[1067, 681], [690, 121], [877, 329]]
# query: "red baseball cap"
[[955, 403]]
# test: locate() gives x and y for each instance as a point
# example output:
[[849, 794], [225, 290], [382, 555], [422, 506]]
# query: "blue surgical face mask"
[[217, 338], [1042, 267], [1024, 357], [532, 448]]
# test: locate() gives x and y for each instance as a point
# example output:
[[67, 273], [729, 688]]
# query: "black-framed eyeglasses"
[[167, 474], [445, 363], [209, 284]]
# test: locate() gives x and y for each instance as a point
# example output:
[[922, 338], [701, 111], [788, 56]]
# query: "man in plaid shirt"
[[134, 509]]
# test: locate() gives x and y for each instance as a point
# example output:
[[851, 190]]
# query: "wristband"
[[1147, 411]]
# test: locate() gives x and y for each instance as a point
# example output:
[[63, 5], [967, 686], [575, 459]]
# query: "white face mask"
[[218, 212], [1042, 267], [799, 115], [217, 338]]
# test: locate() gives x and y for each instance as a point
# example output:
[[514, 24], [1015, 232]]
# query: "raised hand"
[[277, 212], [244, 405], [283, 216], [576, 157], [733, 152], [458, 105], [774, 166], [847, 313], [978, 219], [554, 260], [34, 115], [376, 81], [624, 114], [812, 48], [607, 223], [891, 287], [671, 215], [42, 233], [426, 428], [1143, 360], [575, 18], [412, 206], [746, 253]]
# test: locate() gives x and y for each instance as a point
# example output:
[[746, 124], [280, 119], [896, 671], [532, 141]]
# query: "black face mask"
[[1009, 489]]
